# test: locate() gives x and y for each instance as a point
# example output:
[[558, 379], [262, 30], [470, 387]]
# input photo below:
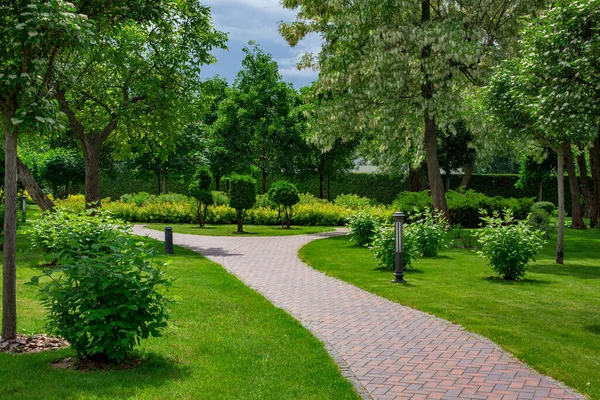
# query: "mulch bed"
[[32, 344]]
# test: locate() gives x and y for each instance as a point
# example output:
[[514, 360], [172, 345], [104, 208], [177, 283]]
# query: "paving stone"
[[394, 351]]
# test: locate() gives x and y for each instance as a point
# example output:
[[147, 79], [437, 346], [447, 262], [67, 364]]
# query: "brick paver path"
[[394, 351]]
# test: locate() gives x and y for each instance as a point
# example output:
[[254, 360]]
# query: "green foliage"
[[203, 178], [242, 196], [508, 245], [540, 220], [220, 198], [354, 201], [409, 201], [106, 292], [139, 199], [203, 200], [546, 206], [263, 200], [466, 236], [62, 168], [286, 196], [384, 247], [309, 198], [427, 230], [362, 227]]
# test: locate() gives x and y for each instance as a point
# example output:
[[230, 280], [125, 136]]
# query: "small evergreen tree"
[[286, 196], [200, 191], [242, 197]]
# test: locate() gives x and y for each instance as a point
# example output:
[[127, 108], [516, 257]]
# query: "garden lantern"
[[399, 262], [168, 240], [24, 208]]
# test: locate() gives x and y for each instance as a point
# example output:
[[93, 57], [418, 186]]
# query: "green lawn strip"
[[551, 320], [225, 342], [250, 230]]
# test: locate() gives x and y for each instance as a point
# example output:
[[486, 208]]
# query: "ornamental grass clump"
[[109, 294], [508, 245]]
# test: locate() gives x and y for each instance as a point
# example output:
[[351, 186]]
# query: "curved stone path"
[[393, 351]]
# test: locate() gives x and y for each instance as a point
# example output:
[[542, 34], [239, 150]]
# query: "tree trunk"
[[576, 214], [328, 188], [165, 173], [595, 167], [157, 181], [447, 176], [560, 172], [415, 178], [91, 156], [35, 191], [468, 171], [541, 192], [431, 147], [321, 179], [264, 181], [9, 267], [240, 222], [218, 183], [585, 184]]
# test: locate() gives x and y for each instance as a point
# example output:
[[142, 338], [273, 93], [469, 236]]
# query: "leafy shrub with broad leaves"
[[108, 295], [548, 207], [353, 201], [242, 197], [508, 245], [220, 198], [362, 227], [263, 201], [285, 196], [384, 247], [540, 220], [427, 229]]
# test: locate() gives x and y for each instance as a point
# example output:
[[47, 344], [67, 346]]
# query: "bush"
[[262, 200], [220, 198], [353, 201], [285, 195], [309, 198], [407, 202], [362, 227], [66, 234], [242, 197], [139, 199], [540, 220], [384, 247], [427, 229], [108, 295], [508, 245], [548, 207]]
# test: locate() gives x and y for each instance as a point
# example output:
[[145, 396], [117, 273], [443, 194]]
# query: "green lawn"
[[250, 230], [225, 342], [551, 320]]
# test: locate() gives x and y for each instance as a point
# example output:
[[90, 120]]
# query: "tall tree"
[[257, 122], [456, 151], [140, 81], [400, 68]]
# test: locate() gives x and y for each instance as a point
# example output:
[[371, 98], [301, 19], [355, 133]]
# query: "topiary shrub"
[[362, 227], [285, 195], [242, 197], [384, 247], [540, 220], [508, 245], [427, 229], [548, 207], [107, 297], [200, 191]]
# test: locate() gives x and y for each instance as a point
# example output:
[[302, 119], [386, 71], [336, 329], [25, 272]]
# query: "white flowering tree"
[[399, 68], [552, 90]]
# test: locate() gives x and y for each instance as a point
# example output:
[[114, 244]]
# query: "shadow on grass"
[[576, 271], [526, 281], [595, 329]]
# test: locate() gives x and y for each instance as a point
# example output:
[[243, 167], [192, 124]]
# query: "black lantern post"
[[168, 240], [399, 261]]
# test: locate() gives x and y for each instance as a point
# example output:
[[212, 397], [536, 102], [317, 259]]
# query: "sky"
[[257, 20]]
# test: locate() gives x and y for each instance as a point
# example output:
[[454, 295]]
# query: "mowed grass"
[[249, 230], [550, 320], [225, 342]]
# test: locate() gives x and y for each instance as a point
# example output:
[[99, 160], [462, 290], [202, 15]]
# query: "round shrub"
[[362, 227], [285, 195], [242, 197], [540, 220], [203, 177], [548, 207], [508, 245], [384, 247], [427, 229]]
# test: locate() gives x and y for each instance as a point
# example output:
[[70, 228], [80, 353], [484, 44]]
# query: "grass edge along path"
[[224, 341], [230, 230], [550, 321]]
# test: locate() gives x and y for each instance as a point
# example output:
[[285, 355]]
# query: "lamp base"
[[399, 278]]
